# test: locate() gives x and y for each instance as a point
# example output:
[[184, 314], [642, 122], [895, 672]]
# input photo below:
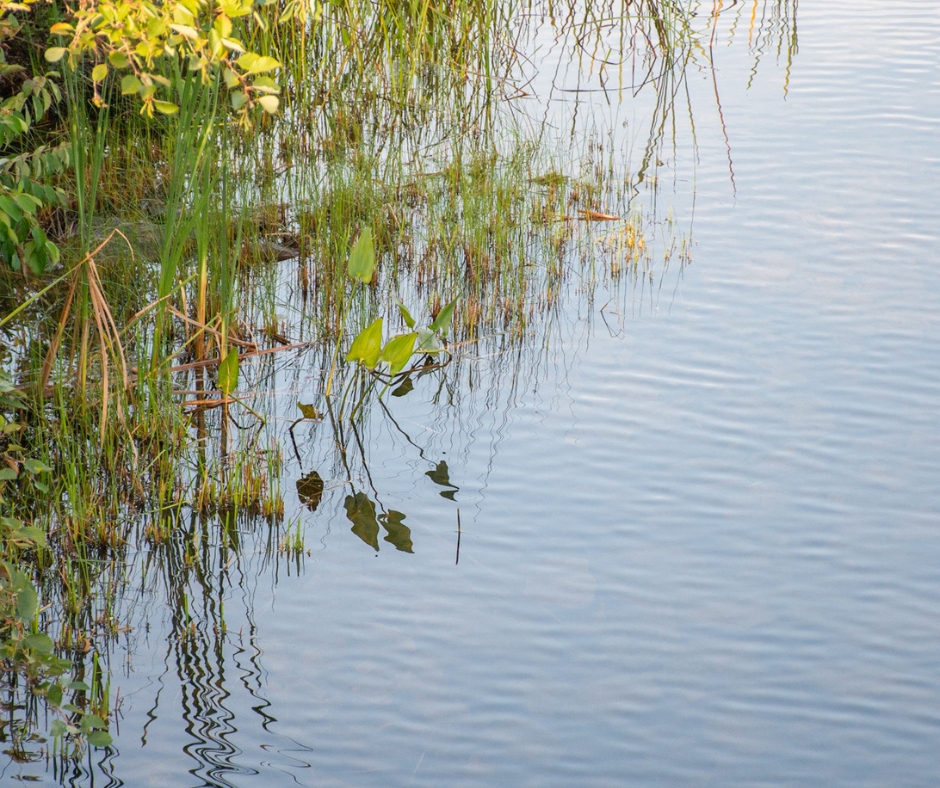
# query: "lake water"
[[699, 520]]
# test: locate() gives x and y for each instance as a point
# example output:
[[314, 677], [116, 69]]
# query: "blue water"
[[700, 530]]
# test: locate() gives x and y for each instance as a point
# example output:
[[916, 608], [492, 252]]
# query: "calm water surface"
[[700, 527]]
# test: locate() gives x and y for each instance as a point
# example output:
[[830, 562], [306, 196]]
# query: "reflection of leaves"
[[405, 387], [441, 476], [310, 490], [361, 513], [399, 534]]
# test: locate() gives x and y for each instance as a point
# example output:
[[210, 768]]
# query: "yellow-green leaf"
[[118, 59], [367, 347], [130, 84], [228, 372], [55, 54], [257, 64], [361, 263], [99, 72], [266, 85], [186, 31], [442, 321], [398, 351], [269, 104], [166, 107]]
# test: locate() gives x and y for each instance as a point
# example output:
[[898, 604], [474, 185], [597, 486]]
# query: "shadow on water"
[[504, 183]]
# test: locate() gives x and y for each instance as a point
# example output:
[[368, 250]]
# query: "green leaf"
[[27, 602], [55, 54], [360, 511], [27, 202], [92, 722], [406, 315], [118, 59], [41, 643], [130, 84], [442, 321], [239, 100], [399, 534], [58, 727], [100, 739], [7, 474], [10, 208], [33, 534], [54, 697], [361, 263], [228, 372], [398, 350], [35, 466], [166, 107], [99, 72], [367, 347]]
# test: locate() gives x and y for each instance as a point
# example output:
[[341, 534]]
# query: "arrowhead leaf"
[[361, 263], [367, 347], [442, 321], [398, 350]]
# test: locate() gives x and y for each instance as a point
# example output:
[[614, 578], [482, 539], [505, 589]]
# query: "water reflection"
[[536, 235]]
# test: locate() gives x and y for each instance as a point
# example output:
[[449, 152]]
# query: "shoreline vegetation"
[[192, 192]]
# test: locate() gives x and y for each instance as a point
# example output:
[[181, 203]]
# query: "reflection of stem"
[[340, 443], [362, 399], [398, 427], [365, 463], [342, 323], [721, 118]]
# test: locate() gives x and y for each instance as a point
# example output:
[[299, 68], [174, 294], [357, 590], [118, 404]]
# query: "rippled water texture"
[[699, 536]]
